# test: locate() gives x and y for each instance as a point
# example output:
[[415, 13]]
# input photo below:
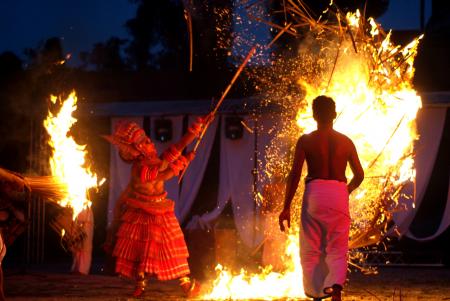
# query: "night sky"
[[81, 23]]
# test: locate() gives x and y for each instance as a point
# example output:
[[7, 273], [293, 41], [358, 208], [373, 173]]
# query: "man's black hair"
[[324, 108]]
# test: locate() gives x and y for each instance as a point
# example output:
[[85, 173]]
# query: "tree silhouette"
[[106, 56], [159, 35], [13, 126], [48, 54], [10, 64], [23, 96]]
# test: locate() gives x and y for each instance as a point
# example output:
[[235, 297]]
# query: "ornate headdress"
[[130, 138]]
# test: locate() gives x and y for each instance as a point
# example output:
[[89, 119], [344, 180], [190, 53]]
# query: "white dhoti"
[[324, 230], [82, 257]]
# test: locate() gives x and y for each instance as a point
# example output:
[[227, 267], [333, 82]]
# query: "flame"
[[353, 19], [266, 285], [68, 163], [354, 61], [376, 107]]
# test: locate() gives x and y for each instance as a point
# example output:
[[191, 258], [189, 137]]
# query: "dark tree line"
[[25, 85], [159, 38]]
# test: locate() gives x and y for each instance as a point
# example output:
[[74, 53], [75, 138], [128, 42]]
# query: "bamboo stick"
[[224, 94]]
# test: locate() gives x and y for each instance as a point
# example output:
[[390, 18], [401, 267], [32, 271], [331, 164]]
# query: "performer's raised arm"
[[194, 131], [173, 162], [165, 170]]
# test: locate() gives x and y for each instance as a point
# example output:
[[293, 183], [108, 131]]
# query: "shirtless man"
[[325, 218], [145, 237]]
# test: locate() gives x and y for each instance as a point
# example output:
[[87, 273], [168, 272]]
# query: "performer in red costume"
[[145, 236]]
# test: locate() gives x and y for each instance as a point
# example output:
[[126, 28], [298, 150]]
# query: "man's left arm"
[[357, 170]]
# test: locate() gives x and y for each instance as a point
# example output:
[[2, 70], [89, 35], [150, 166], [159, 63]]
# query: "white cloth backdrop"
[[235, 184], [82, 257], [430, 123], [193, 177], [236, 164], [119, 171]]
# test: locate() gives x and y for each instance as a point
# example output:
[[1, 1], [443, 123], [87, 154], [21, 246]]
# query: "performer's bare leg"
[[2, 296]]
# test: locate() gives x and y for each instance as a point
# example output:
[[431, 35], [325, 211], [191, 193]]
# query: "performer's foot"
[[138, 291], [191, 287], [194, 291], [140, 288], [334, 291]]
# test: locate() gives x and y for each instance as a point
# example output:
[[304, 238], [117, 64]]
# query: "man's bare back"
[[327, 152]]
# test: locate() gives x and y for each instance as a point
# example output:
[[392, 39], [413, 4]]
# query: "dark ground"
[[53, 283]]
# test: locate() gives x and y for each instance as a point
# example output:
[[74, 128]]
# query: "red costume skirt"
[[150, 242]]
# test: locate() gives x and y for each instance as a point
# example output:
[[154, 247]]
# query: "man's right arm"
[[292, 183], [355, 165]]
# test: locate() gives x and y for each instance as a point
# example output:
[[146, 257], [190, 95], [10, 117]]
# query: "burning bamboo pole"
[[188, 17], [47, 187], [16, 188]]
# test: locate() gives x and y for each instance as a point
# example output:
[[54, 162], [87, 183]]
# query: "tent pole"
[[255, 176]]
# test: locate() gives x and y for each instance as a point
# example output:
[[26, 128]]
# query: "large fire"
[[353, 61], [266, 285], [377, 106], [68, 165]]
